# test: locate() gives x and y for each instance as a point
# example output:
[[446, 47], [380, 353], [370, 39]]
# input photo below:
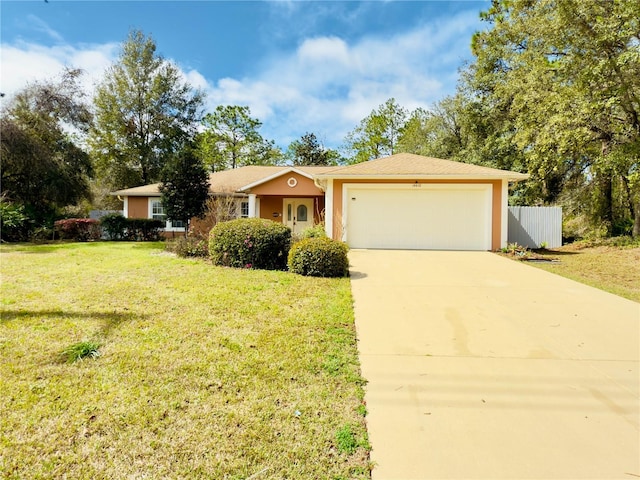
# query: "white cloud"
[[328, 85], [23, 63], [323, 49], [325, 86]]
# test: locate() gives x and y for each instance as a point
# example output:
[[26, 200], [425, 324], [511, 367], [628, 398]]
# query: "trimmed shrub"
[[79, 229], [250, 243], [118, 227], [188, 247], [114, 225], [319, 257], [144, 229]]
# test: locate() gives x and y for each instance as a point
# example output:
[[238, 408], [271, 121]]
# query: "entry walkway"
[[482, 367]]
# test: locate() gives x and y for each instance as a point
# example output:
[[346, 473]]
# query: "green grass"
[[81, 350], [347, 440], [203, 372]]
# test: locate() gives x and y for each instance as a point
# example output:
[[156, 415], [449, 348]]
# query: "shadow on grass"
[[29, 248], [45, 246], [554, 253], [56, 245], [109, 321]]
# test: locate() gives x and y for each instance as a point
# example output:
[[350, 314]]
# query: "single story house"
[[404, 201]]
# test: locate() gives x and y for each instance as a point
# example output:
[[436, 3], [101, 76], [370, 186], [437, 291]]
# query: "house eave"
[[124, 193], [508, 176], [286, 171]]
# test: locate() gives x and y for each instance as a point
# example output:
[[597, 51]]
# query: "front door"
[[298, 213]]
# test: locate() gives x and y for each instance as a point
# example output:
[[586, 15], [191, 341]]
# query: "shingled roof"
[[230, 181], [402, 165]]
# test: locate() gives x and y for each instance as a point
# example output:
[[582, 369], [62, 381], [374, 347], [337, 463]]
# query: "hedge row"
[[79, 229], [117, 227], [114, 227]]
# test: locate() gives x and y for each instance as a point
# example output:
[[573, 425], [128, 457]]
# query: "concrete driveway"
[[482, 367]]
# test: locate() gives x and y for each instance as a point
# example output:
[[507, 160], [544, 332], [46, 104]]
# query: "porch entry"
[[298, 213]]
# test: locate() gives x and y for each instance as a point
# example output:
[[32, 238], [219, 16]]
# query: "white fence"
[[532, 226], [98, 214]]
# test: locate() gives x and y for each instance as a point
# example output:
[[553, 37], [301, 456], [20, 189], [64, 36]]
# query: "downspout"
[[321, 184]]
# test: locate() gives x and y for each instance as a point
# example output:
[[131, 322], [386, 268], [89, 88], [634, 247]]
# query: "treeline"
[[554, 91]]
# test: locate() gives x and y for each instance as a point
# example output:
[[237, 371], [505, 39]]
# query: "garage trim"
[[484, 187]]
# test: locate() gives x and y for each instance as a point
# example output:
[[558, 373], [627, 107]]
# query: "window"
[[302, 213], [244, 209], [157, 210]]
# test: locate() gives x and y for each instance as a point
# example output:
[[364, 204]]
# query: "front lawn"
[[200, 371], [612, 268]]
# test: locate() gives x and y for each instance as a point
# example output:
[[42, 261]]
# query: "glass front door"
[[298, 213]]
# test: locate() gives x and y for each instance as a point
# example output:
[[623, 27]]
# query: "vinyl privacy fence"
[[533, 226]]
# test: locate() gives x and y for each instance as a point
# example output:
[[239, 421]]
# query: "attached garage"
[[419, 216], [408, 201]]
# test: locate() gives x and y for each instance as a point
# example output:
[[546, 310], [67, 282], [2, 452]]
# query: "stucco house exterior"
[[404, 201]]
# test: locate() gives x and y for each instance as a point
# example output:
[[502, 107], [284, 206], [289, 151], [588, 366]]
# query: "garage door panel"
[[454, 218]]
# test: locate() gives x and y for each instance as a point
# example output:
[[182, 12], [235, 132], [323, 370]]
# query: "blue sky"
[[300, 66]]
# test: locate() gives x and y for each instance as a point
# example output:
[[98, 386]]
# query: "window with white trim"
[[157, 210], [244, 209]]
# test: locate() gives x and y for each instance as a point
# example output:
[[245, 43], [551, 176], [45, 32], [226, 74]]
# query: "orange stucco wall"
[[138, 207], [275, 204], [278, 186], [496, 203], [269, 206]]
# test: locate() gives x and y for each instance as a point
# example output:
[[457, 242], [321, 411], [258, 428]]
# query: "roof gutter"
[[413, 176]]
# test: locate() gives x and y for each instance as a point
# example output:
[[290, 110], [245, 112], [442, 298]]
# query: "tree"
[[568, 74], [463, 128], [184, 187], [231, 139], [378, 133], [43, 166], [144, 114], [309, 151], [435, 133]]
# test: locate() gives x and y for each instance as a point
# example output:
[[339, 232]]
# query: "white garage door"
[[435, 217]]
